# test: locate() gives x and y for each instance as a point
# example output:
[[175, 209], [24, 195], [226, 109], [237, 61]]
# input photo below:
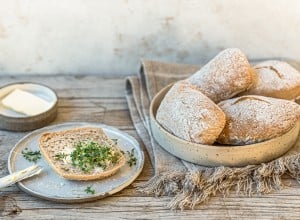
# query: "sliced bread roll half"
[[190, 115], [253, 119], [85, 153], [275, 79], [225, 76]]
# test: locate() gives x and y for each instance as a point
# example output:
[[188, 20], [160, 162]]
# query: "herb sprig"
[[60, 156], [31, 156], [132, 159], [115, 140], [90, 190]]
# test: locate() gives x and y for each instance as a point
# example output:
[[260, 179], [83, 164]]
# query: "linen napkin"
[[191, 184]]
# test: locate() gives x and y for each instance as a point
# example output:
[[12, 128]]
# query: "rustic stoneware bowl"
[[219, 155], [14, 121]]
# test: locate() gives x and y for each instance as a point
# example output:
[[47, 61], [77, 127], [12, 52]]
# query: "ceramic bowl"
[[219, 155], [14, 121]]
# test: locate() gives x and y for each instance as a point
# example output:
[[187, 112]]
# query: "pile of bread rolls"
[[229, 102]]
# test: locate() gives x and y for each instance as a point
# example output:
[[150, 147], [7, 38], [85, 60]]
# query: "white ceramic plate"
[[219, 155], [50, 186]]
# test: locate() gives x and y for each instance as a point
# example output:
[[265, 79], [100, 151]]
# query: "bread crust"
[[252, 119], [190, 115], [70, 137], [275, 79], [226, 75]]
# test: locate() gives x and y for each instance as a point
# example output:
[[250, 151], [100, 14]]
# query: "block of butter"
[[25, 102]]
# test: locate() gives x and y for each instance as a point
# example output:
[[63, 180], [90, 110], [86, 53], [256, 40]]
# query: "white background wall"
[[110, 36]]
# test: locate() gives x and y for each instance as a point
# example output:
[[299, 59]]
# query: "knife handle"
[[20, 175]]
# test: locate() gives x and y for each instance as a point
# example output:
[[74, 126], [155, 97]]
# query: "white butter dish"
[[41, 112]]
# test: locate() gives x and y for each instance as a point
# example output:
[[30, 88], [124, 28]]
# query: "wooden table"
[[92, 98]]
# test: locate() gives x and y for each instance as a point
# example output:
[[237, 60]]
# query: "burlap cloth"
[[190, 184]]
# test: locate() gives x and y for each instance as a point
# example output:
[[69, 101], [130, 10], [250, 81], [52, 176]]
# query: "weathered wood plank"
[[281, 207], [104, 103], [74, 85]]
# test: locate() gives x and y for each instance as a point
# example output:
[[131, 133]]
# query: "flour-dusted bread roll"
[[275, 79], [190, 115], [252, 119], [225, 76]]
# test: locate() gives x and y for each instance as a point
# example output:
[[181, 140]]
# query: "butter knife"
[[20, 175]]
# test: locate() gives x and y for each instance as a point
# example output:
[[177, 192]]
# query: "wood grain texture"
[[91, 98]]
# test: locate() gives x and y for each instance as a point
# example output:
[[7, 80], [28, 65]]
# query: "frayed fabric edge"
[[197, 187], [166, 183]]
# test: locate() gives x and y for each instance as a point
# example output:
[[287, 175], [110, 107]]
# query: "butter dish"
[[26, 106]]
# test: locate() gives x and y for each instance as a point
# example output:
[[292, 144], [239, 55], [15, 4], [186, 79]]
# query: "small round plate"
[[50, 186], [14, 121], [219, 155]]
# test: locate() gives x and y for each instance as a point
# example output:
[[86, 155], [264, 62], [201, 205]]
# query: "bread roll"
[[190, 115], [226, 75], [252, 119], [275, 79]]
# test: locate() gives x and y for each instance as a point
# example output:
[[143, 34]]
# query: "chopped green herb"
[[115, 140], [90, 155], [89, 190], [132, 159], [60, 156], [31, 156]]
